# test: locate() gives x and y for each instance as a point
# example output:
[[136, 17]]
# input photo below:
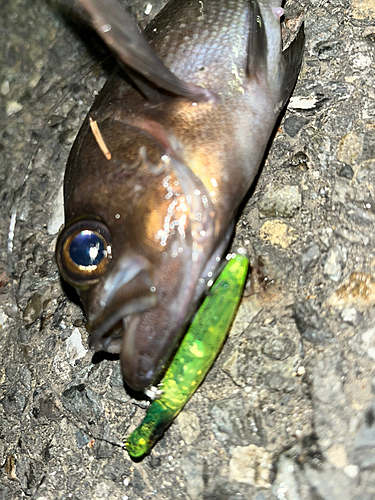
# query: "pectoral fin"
[[289, 67], [123, 37]]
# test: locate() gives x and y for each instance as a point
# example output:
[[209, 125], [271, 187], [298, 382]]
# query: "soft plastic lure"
[[195, 356]]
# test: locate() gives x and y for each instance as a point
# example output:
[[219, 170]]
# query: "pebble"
[[57, 217], [351, 471], [3, 318], [352, 235], [346, 171], [328, 483], [280, 201], [350, 315], [251, 465], [33, 309], [365, 437], [310, 256], [234, 424], [349, 148], [336, 455], [285, 486], [13, 107], [189, 426], [309, 322], [74, 348], [278, 348], [334, 262], [193, 470], [282, 381], [368, 338], [293, 124], [277, 232], [363, 9], [368, 151], [328, 386]]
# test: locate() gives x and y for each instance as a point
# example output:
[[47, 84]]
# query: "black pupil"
[[87, 249]]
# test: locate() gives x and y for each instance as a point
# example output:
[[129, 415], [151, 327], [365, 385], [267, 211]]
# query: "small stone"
[[350, 315], [230, 366], [309, 323], [337, 456], [363, 9], [82, 439], [280, 380], [234, 424], [14, 402], [33, 309], [328, 386], [3, 318], [193, 469], [74, 348], [293, 124], [280, 201], [334, 262], [251, 465], [358, 289], [310, 257], [347, 172], [368, 338], [285, 485], [327, 483], [277, 232], [349, 148], [368, 151], [361, 61], [352, 235], [247, 311], [189, 425], [300, 160], [300, 102], [351, 471], [5, 87], [279, 348], [13, 107], [57, 218], [364, 440]]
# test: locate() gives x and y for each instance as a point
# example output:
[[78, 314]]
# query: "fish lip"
[[134, 272], [99, 341]]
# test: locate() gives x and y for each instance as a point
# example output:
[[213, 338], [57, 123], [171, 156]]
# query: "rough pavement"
[[288, 411]]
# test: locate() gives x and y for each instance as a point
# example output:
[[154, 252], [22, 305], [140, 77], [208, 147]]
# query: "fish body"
[[150, 213]]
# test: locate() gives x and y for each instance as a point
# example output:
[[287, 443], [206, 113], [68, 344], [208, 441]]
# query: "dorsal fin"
[[123, 37], [257, 48]]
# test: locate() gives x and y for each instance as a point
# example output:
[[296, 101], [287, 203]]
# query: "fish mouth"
[[127, 293]]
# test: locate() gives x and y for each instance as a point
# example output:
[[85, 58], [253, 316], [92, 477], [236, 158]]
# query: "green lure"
[[195, 356]]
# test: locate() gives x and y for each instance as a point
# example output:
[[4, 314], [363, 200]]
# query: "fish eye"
[[83, 251]]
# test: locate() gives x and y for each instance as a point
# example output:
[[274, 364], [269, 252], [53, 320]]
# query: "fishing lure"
[[195, 356]]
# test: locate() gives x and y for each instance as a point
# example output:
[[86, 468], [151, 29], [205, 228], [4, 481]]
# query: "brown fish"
[[161, 164]]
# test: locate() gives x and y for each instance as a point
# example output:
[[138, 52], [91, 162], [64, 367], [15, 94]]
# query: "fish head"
[[139, 230]]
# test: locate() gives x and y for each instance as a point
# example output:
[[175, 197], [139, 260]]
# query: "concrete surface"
[[288, 411]]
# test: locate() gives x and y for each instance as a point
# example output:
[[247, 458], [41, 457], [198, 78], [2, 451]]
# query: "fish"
[[161, 164]]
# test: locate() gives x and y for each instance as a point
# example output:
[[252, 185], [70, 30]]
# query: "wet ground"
[[288, 411]]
